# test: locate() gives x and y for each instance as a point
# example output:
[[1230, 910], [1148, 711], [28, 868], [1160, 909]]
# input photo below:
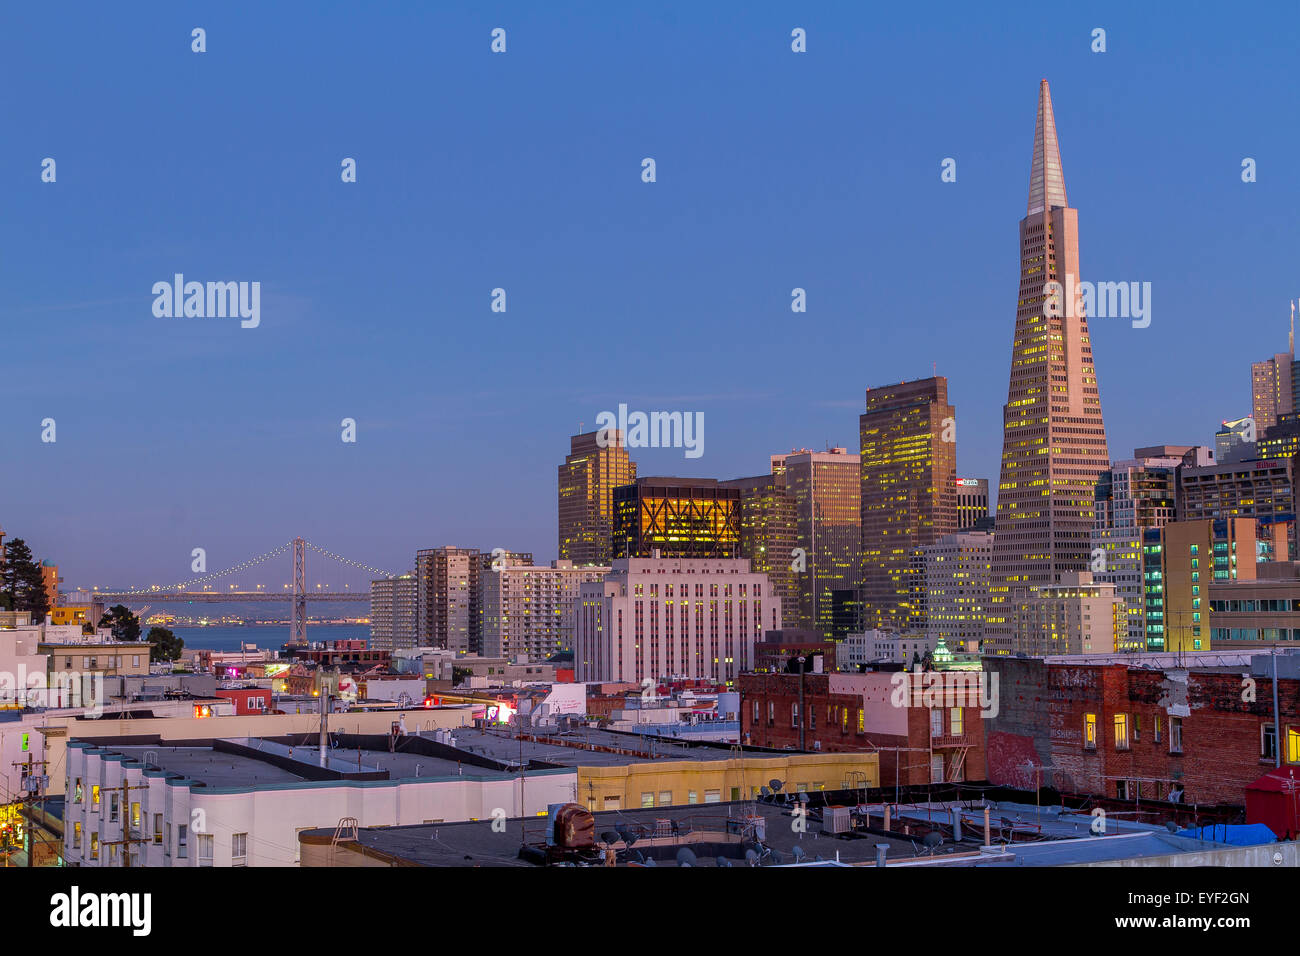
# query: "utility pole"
[[1277, 724], [29, 829], [125, 810], [803, 718]]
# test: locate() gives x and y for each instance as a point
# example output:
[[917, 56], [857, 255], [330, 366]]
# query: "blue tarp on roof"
[[1246, 834]]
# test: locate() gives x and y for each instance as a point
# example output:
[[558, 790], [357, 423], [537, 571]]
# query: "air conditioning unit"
[[837, 819]]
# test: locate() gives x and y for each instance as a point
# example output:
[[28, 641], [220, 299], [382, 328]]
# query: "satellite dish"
[[628, 836], [803, 797], [609, 837], [775, 784], [685, 857], [722, 861], [799, 854], [751, 857], [765, 792], [932, 839], [775, 858], [651, 862], [1171, 827]]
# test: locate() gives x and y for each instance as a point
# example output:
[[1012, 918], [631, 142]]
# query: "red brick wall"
[[912, 764], [1041, 720]]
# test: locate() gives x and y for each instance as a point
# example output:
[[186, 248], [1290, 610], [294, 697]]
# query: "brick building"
[[933, 733], [1108, 727]]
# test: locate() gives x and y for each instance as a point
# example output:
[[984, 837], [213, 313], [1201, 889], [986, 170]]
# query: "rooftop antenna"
[[1291, 338]]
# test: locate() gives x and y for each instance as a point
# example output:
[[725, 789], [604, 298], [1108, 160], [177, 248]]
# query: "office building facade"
[[680, 618], [676, 518], [586, 484], [908, 470]]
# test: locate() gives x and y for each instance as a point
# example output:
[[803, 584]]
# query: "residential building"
[[529, 611], [926, 727], [393, 614], [254, 795], [447, 612], [1160, 727]]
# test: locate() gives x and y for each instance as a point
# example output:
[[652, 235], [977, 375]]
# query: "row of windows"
[[238, 841]]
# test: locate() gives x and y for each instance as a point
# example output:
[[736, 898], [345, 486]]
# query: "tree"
[[22, 585], [164, 644], [124, 625]]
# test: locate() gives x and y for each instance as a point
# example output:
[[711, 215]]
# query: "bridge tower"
[[298, 627]]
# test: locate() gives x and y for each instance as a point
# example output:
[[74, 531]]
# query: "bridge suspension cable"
[[212, 576], [343, 560]]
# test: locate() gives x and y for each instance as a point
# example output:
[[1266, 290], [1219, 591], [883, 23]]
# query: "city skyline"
[[242, 447]]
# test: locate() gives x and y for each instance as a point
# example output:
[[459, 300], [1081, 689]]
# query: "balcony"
[[945, 741]]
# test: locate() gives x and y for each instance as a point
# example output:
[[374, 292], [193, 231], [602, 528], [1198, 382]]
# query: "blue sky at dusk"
[[523, 171]]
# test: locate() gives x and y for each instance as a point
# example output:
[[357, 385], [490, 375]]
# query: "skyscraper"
[[447, 609], [827, 492], [972, 503], [587, 480], [1132, 496], [677, 517], [1053, 438], [769, 534], [393, 612], [908, 472], [1271, 385]]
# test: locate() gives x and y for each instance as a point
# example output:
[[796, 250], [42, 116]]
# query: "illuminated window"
[[94, 846], [1090, 731], [1121, 731], [94, 798], [956, 722]]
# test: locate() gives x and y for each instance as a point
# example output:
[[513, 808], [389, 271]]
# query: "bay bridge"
[[200, 589]]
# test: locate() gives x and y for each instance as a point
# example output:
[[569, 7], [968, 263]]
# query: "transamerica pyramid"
[[1053, 438]]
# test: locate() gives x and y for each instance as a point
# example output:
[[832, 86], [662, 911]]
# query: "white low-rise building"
[[243, 802]]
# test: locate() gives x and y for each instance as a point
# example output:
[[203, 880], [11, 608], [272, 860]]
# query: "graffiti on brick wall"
[[1084, 678], [1173, 693], [1012, 760]]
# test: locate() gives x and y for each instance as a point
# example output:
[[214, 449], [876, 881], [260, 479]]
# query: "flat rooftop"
[[1042, 837], [594, 748], [475, 844], [220, 769]]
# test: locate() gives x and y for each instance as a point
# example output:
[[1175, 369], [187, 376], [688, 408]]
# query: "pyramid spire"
[[1046, 180]]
